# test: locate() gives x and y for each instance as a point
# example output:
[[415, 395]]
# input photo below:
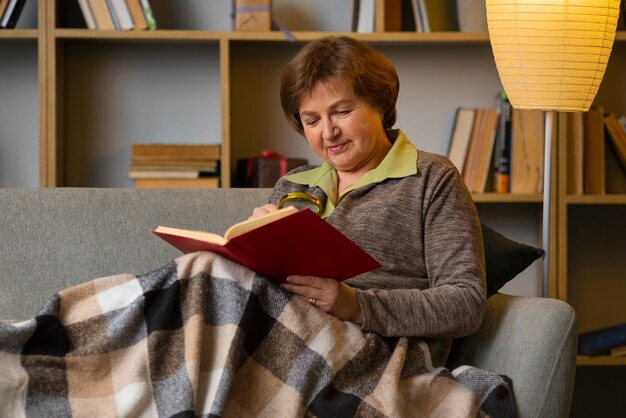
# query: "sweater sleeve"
[[451, 304]]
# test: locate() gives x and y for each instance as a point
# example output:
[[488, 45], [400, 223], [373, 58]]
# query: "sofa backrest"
[[52, 239]]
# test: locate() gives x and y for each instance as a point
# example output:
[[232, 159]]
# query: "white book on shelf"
[[10, 9], [121, 15], [420, 16], [460, 138], [366, 16], [3, 6], [87, 14], [423, 12]]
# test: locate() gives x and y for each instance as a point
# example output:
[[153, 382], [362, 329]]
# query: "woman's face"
[[343, 129]]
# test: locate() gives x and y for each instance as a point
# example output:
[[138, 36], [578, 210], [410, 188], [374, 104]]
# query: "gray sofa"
[[55, 238]]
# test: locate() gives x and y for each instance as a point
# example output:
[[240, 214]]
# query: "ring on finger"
[[312, 301]]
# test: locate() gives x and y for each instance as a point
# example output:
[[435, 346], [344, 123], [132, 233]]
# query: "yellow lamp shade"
[[552, 54]]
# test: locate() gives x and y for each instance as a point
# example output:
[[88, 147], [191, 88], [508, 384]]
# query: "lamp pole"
[[547, 200]]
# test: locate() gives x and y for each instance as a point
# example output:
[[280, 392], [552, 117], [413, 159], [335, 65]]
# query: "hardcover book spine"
[[12, 13], [502, 160], [147, 12], [114, 17]]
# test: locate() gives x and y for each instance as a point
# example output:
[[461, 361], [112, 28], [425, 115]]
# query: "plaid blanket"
[[203, 336]]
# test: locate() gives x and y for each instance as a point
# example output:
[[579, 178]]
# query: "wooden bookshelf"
[[85, 77], [591, 246]]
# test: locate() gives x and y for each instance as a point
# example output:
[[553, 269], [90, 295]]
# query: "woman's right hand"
[[263, 210]]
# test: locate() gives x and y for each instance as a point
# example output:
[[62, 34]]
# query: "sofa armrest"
[[532, 341]]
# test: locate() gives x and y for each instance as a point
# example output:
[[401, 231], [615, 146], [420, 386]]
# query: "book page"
[[250, 224], [187, 233]]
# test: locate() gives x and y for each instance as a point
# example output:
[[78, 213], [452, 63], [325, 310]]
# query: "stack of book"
[[605, 341], [175, 165], [499, 149], [117, 14]]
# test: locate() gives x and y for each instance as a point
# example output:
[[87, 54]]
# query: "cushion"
[[505, 258]]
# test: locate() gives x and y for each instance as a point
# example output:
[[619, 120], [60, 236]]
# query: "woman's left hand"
[[331, 296]]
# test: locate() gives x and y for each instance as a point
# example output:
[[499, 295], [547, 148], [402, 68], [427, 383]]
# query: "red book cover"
[[299, 243]]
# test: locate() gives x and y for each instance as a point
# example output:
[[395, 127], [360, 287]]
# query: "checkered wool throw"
[[205, 337]]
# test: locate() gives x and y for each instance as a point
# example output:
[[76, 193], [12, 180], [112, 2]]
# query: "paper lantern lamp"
[[552, 54]]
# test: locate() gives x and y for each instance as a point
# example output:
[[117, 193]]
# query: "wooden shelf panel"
[[507, 198], [155, 35], [607, 199], [191, 35], [378, 37], [19, 34], [600, 361]]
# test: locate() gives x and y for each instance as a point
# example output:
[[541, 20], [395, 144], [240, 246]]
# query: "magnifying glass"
[[301, 200]]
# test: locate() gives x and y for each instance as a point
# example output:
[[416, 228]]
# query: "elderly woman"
[[203, 336], [409, 209]]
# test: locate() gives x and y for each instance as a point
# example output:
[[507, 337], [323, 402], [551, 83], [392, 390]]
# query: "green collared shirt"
[[400, 161]]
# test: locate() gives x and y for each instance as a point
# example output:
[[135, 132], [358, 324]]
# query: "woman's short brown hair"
[[371, 76]]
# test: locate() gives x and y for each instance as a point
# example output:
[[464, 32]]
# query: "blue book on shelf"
[[600, 341]]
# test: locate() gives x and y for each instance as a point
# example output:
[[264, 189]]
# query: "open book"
[[279, 244]]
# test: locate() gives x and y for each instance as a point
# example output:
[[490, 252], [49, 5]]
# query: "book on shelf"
[[90, 20], [149, 15], [469, 166], [575, 153], [101, 14], [502, 147], [210, 165], [175, 165], [437, 15], [182, 172], [471, 16], [166, 152], [441, 15], [11, 14], [420, 17], [287, 242], [600, 342], [3, 6], [527, 136], [165, 183], [460, 137], [594, 151], [484, 160], [407, 17], [498, 149], [478, 160], [364, 16], [393, 15], [120, 14], [117, 14], [137, 14], [112, 14], [616, 138]]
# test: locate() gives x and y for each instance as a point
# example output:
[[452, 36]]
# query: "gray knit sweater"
[[425, 231]]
